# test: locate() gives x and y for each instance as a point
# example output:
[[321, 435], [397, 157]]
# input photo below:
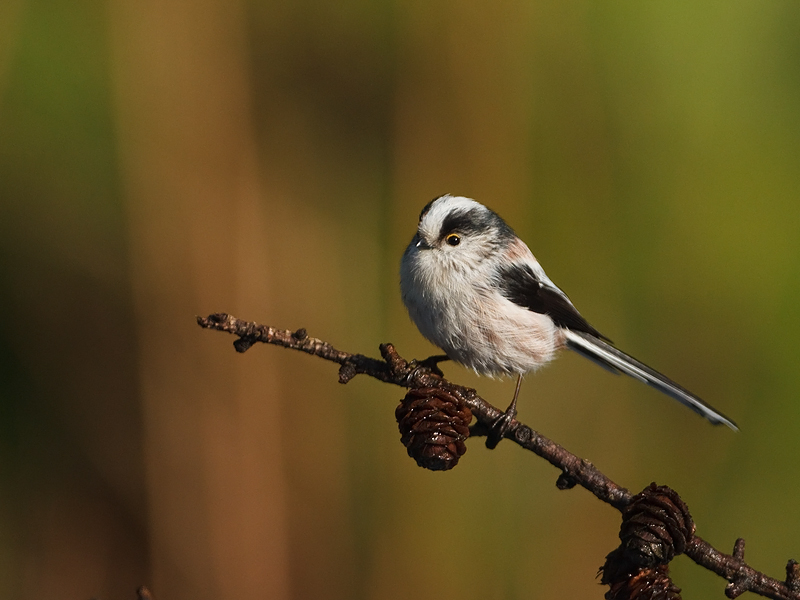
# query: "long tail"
[[609, 357]]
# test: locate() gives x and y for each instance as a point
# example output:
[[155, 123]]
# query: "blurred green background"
[[269, 159]]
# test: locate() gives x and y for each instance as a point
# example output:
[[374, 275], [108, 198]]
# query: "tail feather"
[[609, 357]]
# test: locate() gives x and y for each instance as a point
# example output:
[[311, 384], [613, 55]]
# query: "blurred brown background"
[[269, 159]]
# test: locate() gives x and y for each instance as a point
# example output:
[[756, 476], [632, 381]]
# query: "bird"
[[474, 289]]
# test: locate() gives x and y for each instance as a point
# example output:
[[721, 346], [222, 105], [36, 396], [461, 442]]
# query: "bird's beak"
[[421, 243]]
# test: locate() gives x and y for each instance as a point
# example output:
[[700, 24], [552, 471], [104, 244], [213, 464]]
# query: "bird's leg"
[[502, 424]]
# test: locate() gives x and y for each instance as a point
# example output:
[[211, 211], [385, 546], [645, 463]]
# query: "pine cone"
[[656, 526], [433, 426], [652, 583]]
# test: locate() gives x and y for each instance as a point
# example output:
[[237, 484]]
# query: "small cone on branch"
[[656, 526], [651, 583], [433, 426]]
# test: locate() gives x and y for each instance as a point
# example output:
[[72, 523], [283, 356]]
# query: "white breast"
[[455, 307]]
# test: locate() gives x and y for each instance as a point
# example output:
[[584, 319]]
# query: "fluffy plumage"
[[474, 289]]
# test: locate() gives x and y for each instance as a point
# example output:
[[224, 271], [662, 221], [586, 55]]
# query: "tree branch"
[[574, 470]]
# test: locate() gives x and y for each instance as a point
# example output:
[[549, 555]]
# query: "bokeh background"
[[161, 160]]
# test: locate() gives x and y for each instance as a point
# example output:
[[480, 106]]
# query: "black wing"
[[520, 284]]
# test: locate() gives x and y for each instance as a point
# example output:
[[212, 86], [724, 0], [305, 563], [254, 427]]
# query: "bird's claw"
[[500, 427], [431, 364]]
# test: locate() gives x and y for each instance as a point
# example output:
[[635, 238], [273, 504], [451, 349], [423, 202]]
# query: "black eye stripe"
[[464, 222], [475, 221]]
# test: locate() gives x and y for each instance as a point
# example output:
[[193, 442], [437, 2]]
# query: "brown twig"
[[574, 470]]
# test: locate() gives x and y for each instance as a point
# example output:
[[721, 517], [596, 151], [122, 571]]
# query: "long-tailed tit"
[[474, 289]]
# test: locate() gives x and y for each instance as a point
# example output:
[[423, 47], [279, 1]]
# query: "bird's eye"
[[453, 239]]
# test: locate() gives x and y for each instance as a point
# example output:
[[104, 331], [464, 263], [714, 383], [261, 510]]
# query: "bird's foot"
[[431, 364], [500, 427]]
